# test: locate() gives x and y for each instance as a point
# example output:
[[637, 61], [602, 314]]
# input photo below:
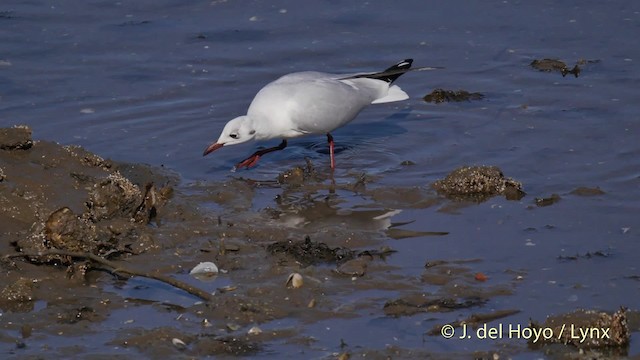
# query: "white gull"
[[309, 102]]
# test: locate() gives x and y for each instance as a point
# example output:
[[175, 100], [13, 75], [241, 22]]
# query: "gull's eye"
[[234, 136]]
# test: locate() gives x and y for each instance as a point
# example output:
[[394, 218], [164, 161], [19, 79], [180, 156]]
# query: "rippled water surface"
[[155, 82]]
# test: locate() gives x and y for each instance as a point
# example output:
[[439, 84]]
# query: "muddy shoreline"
[[61, 207]]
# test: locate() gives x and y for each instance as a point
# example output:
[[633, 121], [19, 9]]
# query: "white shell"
[[204, 270], [295, 280], [178, 343], [254, 331]]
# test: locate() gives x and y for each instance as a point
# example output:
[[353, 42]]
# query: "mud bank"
[[91, 247]]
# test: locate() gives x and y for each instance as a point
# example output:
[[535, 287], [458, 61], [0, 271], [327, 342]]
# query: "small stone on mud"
[[18, 296], [298, 175], [587, 191], [355, 267], [549, 65], [541, 202], [478, 183], [440, 95], [254, 331], [15, 138]]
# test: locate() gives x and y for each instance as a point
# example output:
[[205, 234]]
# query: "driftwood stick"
[[117, 268]]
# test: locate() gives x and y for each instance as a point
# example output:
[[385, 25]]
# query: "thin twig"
[[119, 269]]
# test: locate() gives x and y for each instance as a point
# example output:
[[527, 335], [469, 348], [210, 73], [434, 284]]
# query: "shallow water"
[[155, 82]]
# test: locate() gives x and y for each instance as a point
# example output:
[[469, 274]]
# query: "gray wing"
[[317, 103]]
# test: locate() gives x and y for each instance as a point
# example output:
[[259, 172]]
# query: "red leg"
[[248, 162], [333, 160], [253, 159]]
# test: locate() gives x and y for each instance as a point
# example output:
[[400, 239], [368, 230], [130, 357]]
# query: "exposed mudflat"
[[81, 229]]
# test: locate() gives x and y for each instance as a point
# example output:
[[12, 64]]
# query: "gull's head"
[[236, 131]]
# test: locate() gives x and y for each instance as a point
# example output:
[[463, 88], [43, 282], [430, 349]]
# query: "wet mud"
[[64, 198], [441, 95], [77, 222], [460, 287], [87, 240]]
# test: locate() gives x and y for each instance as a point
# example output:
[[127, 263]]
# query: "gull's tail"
[[389, 75]]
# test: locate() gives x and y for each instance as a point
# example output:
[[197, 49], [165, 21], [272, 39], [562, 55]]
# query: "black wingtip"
[[404, 64], [390, 74]]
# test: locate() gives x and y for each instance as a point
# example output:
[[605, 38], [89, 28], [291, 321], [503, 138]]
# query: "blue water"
[[155, 82]]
